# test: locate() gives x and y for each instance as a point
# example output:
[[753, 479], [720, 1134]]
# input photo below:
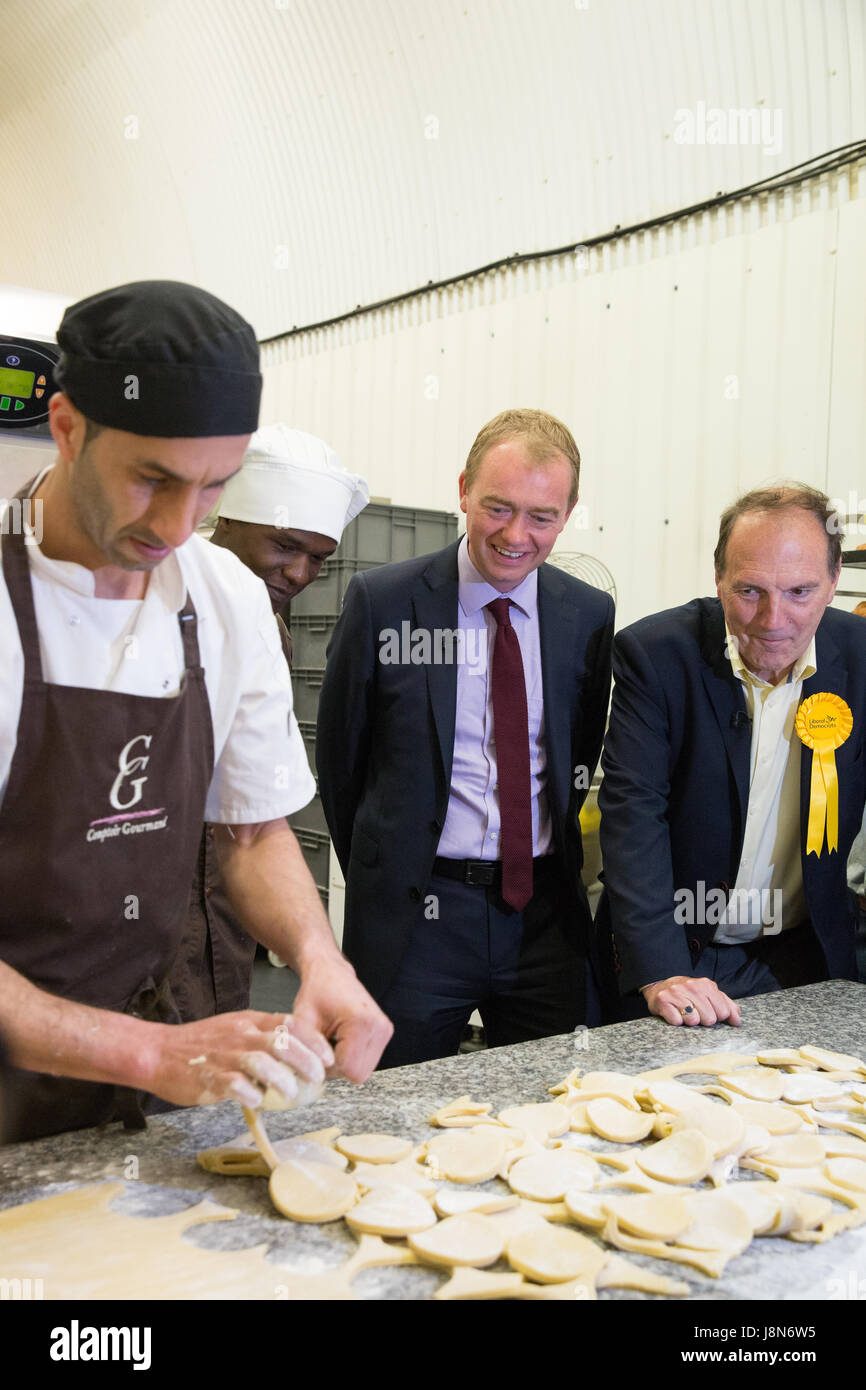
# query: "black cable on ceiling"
[[798, 173]]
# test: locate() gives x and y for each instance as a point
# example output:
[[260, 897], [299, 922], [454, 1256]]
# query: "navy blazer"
[[676, 787], [385, 743]]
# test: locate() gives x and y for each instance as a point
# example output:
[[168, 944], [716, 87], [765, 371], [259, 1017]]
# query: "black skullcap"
[[159, 357]]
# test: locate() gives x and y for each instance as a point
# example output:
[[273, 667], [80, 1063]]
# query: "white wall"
[[690, 363]]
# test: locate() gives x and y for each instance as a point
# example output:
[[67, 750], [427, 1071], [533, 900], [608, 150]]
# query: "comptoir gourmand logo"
[[126, 792]]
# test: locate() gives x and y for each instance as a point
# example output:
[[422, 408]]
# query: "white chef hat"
[[293, 479]]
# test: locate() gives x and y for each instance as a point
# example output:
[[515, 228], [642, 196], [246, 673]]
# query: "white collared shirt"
[[134, 646], [472, 823], [771, 859]]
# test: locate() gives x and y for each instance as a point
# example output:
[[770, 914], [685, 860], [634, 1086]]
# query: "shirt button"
[[74, 621]]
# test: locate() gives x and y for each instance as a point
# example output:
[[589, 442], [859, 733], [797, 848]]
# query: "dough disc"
[[308, 1191], [723, 1129], [615, 1121], [543, 1121], [718, 1223], [684, 1157], [833, 1061], [374, 1148], [472, 1239], [770, 1117], [799, 1090], [547, 1176], [449, 1202], [847, 1172], [794, 1151], [553, 1254], [658, 1216], [406, 1173], [468, 1155], [759, 1201], [755, 1083], [612, 1085], [391, 1211]]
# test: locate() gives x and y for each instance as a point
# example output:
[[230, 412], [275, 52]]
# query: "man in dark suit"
[[724, 846], [462, 850]]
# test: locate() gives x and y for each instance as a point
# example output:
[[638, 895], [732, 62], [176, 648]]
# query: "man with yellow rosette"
[[734, 775]]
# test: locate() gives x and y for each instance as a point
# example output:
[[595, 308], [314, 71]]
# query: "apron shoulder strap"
[[16, 572], [188, 620]]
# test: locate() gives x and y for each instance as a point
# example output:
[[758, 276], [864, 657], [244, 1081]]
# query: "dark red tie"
[[511, 732]]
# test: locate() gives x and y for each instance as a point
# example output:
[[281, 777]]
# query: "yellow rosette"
[[823, 723]]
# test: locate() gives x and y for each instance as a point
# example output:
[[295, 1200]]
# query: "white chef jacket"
[[134, 647]]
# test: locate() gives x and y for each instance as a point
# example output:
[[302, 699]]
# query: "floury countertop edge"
[[159, 1169]]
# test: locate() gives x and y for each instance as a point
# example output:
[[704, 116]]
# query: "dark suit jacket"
[[386, 740], [676, 787]]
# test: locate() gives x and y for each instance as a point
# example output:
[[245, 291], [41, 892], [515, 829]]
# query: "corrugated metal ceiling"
[[302, 156]]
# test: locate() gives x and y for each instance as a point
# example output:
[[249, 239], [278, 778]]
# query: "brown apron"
[[99, 830], [213, 968]]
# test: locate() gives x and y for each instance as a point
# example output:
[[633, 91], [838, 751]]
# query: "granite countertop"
[[161, 1175]]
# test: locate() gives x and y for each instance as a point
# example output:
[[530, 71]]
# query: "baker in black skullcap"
[[144, 692], [161, 358]]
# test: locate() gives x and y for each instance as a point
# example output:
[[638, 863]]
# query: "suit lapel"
[[558, 623], [728, 699], [434, 605]]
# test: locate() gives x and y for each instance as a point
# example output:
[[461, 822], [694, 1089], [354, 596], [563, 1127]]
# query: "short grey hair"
[[784, 497]]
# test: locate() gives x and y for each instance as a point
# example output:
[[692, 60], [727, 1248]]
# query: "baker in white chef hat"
[[284, 513]]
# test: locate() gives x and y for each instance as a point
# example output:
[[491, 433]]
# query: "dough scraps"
[[461, 1113], [85, 1250]]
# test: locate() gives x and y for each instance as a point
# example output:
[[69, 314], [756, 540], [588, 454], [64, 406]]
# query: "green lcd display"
[[15, 383]]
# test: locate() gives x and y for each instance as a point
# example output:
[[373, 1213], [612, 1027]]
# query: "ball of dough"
[[308, 1091]]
